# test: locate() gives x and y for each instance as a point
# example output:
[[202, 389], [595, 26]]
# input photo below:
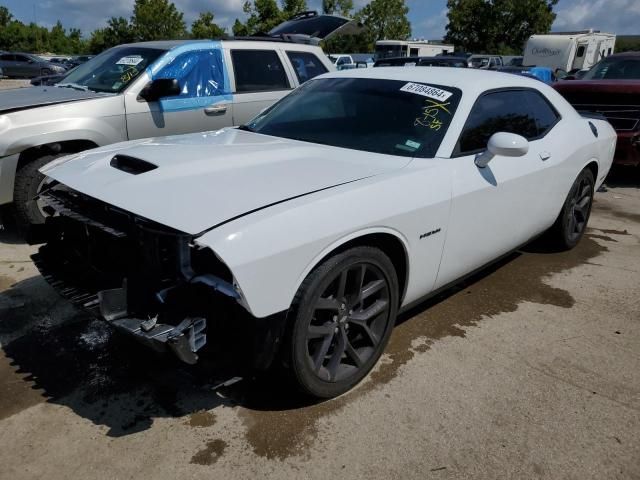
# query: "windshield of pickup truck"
[[612, 68], [391, 117], [111, 71]]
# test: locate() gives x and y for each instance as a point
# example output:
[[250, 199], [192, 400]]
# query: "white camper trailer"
[[415, 48], [568, 50]]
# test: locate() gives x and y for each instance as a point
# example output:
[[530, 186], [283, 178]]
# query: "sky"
[[428, 17]]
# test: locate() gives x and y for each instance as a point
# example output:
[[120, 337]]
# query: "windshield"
[[112, 71], [620, 68], [388, 51], [381, 116]]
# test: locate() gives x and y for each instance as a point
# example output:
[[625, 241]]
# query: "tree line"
[[478, 26], [161, 20]]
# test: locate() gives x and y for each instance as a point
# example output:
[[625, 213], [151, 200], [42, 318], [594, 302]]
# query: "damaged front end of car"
[[147, 280]]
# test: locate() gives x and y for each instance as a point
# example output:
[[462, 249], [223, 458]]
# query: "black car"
[[441, 61]]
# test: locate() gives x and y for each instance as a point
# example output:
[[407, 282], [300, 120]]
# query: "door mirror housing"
[[160, 88], [505, 145]]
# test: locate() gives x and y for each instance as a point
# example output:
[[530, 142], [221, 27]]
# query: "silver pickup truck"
[[150, 89]]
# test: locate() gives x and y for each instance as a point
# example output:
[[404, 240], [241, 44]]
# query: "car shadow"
[[53, 353], [623, 176]]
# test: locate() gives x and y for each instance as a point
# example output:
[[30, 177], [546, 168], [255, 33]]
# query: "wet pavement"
[[530, 369]]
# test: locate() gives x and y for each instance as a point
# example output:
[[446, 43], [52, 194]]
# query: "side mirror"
[[160, 88], [505, 145]]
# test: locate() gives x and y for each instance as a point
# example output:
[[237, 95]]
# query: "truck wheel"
[[30, 182], [571, 224], [343, 315]]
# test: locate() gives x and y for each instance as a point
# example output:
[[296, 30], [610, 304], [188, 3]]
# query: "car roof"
[[468, 80], [170, 44]]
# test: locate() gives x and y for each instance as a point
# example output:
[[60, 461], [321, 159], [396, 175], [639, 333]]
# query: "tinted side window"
[[21, 58], [306, 65], [523, 112], [7, 57], [258, 70]]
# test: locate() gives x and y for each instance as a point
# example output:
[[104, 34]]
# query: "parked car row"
[[27, 65]]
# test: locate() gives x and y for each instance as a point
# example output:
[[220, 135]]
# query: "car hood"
[[195, 182], [17, 99], [600, 92]]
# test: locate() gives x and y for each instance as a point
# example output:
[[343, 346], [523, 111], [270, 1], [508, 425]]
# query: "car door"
[[259, 79], [500, 207], [10, 67], [204, 102], [25, 67]]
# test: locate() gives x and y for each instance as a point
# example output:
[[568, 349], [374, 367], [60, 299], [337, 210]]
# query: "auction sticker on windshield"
[[133, 61], [426, 91]]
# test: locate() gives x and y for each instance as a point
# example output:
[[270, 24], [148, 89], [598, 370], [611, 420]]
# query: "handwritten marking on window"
[[430, 115]]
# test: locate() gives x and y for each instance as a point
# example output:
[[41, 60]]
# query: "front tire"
[[343, 316], [30, 182], [572, 222]]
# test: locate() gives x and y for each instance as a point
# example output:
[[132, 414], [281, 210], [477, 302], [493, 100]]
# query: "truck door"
[[205, 101]]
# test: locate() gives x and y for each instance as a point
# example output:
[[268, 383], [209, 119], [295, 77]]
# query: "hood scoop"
[[132, 165]]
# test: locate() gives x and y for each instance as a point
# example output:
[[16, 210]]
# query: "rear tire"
[[572, 222], [343, 315], [29, 182]]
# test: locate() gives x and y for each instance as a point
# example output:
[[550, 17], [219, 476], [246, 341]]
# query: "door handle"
[[216, 110], [545, 156]]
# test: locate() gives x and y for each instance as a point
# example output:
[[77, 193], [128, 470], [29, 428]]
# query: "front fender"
[[270, 252]]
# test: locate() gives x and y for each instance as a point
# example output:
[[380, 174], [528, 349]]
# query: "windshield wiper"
[[75, 86], [245, 128]]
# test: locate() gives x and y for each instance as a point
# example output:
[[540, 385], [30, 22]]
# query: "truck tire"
[[29, 182]]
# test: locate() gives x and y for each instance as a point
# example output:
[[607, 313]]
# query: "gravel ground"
[[529, 370]]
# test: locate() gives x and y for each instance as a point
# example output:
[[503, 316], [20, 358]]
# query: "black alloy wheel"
[[344, 321], [574, 217], [580, 208]]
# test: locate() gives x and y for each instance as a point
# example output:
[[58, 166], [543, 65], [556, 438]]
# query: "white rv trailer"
[[410, 48], [568, 50]]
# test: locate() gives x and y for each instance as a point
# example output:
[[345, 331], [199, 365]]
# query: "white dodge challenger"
[[310, 228]]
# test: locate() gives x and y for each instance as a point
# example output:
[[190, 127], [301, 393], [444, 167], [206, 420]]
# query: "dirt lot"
[[530, 370]]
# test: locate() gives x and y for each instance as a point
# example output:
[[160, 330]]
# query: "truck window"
[[580, 52], [258, 70], [306, 65], [199, 72], [523, 112]]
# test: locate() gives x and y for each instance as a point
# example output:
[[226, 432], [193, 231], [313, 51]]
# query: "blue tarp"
[[201, 72]]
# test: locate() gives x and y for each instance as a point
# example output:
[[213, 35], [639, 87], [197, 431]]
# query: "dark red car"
[[612, 88]]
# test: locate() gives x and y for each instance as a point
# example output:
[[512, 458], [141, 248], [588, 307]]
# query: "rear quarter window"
[[306, 65], [258, 71]]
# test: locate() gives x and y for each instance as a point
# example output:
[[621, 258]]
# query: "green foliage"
[[497, 26], [293, 7], [204, 27], [628, 43], [117, 32], [337, 7], [157, 20], [385, 19], [5, 17], [263, 16]]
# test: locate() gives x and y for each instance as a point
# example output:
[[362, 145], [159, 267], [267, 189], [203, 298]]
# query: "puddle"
[[211, 453], [278, 428], [202, 419], [111, 380]]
